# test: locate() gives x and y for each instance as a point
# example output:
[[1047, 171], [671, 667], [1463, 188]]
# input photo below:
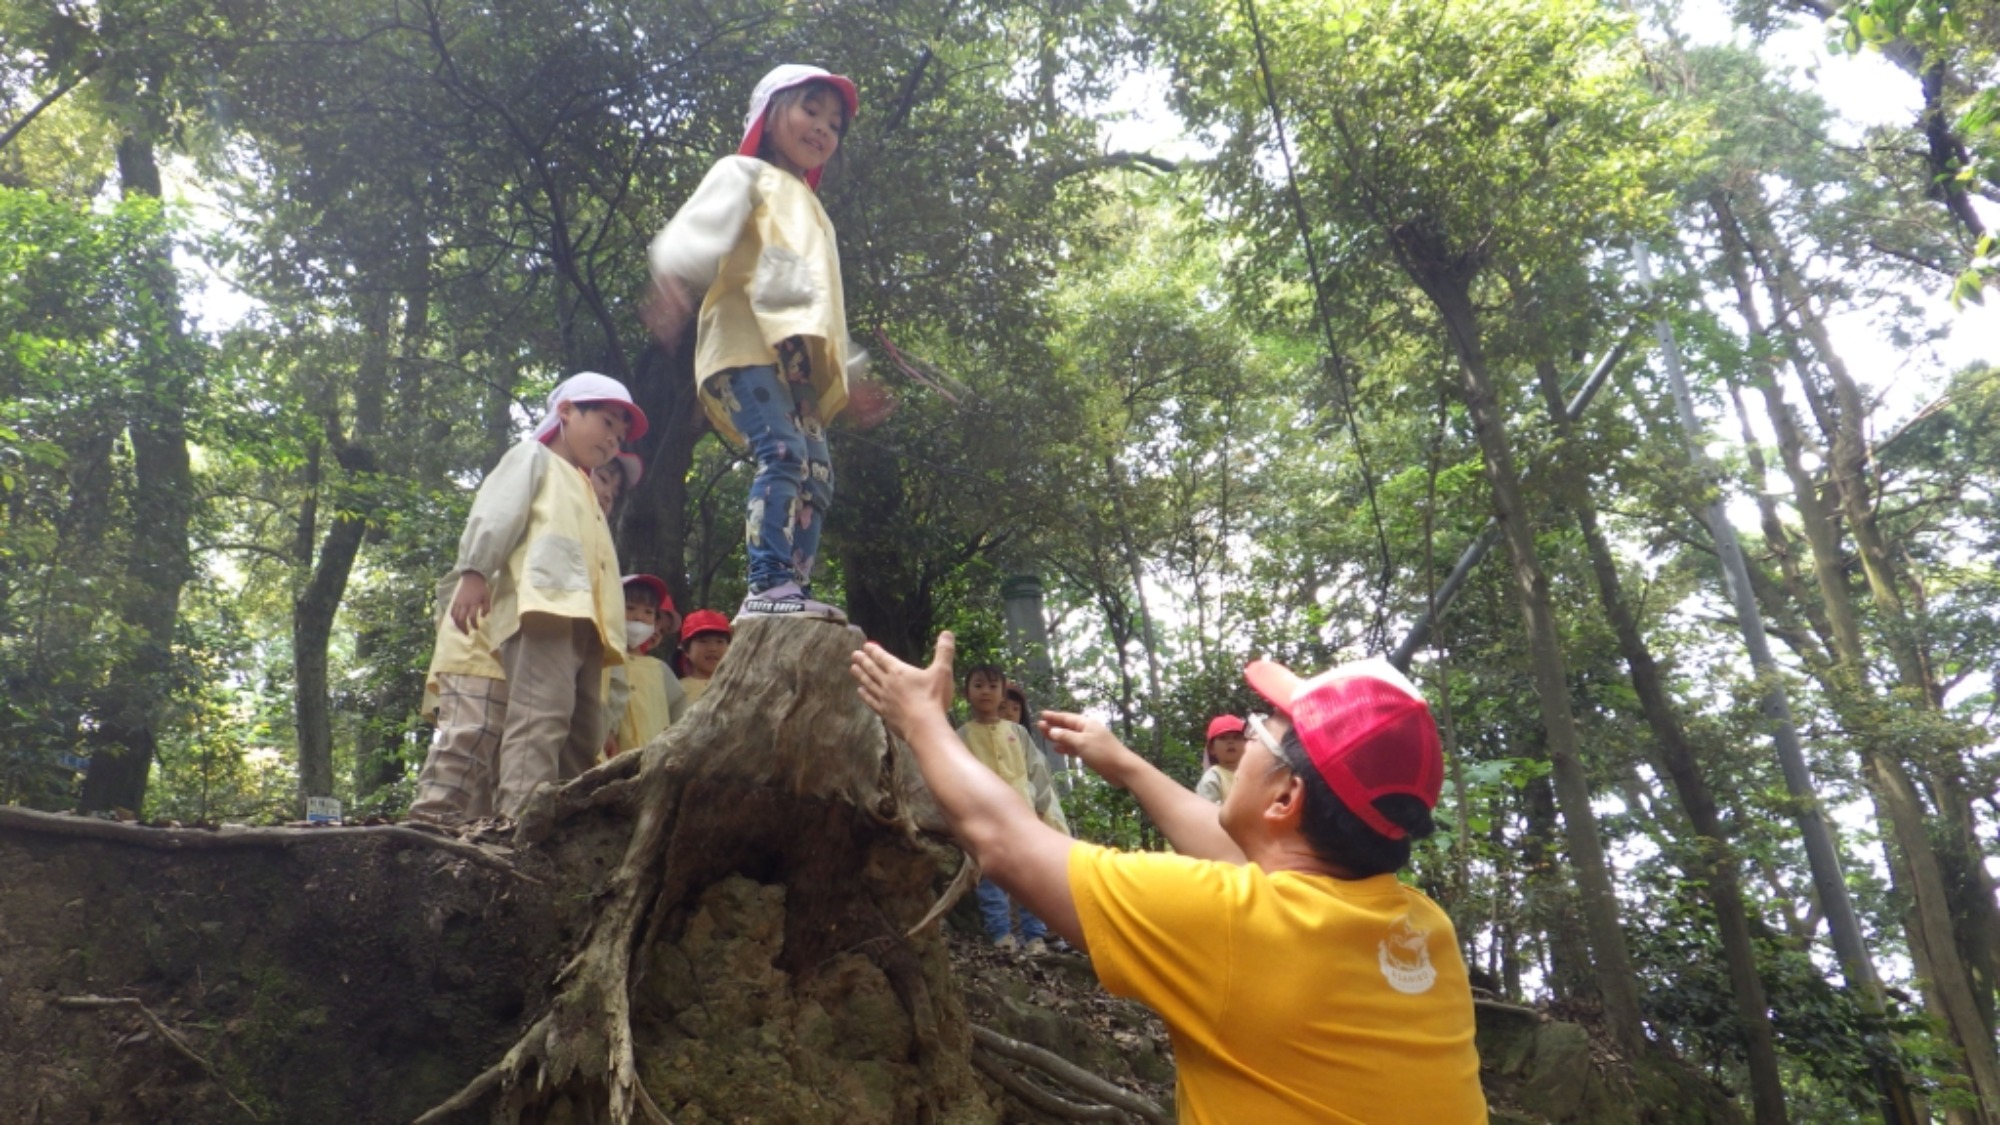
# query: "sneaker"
[[1005, 944], [789, 600], [1035, 947]]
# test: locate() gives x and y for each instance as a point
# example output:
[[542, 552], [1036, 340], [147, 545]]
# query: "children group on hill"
[[544, 655], [543, 658]]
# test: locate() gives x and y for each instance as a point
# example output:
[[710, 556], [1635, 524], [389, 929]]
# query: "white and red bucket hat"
[[589, 386], [784, 78]]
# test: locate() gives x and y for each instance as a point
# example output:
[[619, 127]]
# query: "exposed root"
[[652, 1108], [696, 817], [968, 874], [491, 1077], [1069, 1074], [166, 1034], [1038, 1098], [198, 839]]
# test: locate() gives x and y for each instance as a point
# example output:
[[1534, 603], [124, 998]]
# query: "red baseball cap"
[[784, 78], [1367, 730], [657, 585], [704, 621], [1224, 724]]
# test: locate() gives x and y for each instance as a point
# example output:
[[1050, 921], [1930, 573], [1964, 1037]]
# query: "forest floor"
[[1055, 1002]]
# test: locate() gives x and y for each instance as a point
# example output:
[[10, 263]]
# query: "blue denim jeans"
[[993, 911], [779, 416]]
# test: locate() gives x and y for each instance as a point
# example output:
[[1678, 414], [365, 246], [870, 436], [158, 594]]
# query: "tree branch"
[[1070, 1074], [52, 98], [1041, 1099], [1141, 160]]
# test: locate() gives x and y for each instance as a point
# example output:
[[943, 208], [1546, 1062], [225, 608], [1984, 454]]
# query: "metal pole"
[[1420, 633]]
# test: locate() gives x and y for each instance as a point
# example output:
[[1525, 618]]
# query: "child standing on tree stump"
[[537, 569], [465, 694], [1005, 749], [755, 248]]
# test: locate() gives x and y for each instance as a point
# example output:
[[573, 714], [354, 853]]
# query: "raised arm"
[[1190, 824], [685, 256], [1026, 857]]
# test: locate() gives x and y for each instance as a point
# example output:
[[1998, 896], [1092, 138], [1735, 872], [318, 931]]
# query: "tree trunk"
[[1548, 901], [1970, 889], [1616, 981], [314, 608], [652, 534], [1715, 862], [1953, 920], [162, 506], [1843, 925], [1121, 512], [713, 926], [889, 593]]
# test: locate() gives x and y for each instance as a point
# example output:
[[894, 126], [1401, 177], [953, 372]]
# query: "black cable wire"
[[1379, 630]]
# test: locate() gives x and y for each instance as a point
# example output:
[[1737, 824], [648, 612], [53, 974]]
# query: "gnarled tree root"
[[778, 773], [968, 875], [209, 839], [1109, 1095]]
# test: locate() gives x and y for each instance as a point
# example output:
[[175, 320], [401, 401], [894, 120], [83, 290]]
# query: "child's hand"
[[899, 692], [1087, 740], [667, 312], [869, 403], [472, 602]]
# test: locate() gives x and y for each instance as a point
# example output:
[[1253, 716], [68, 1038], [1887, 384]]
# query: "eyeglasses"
[[1256, 725]]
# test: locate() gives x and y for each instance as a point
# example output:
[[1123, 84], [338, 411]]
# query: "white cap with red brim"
[[585, 387], [784, 78]]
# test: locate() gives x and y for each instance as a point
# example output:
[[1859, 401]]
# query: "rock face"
[[1540, 1071]]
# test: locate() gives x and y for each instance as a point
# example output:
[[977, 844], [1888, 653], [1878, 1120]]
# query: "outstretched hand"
[[1087, 740], [667, 311], [901, 693], [869, 403]]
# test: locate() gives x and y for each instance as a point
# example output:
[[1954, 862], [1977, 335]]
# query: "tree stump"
[[715, 927]]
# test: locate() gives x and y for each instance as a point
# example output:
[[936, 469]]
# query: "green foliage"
[[79, 322]]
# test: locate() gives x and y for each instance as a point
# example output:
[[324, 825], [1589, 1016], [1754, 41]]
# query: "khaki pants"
[[461, 777], [555, 705]]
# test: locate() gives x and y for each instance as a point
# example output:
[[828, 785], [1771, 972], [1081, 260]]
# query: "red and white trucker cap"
[[1366, 729]]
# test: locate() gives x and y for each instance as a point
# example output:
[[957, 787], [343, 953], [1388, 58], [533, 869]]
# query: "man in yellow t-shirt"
[[1301, 981]]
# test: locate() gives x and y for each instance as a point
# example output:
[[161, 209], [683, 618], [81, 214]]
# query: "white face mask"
[[637, 633]]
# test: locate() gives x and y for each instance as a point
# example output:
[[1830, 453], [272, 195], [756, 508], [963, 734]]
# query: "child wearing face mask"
[[755, 251], [655, 700]]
